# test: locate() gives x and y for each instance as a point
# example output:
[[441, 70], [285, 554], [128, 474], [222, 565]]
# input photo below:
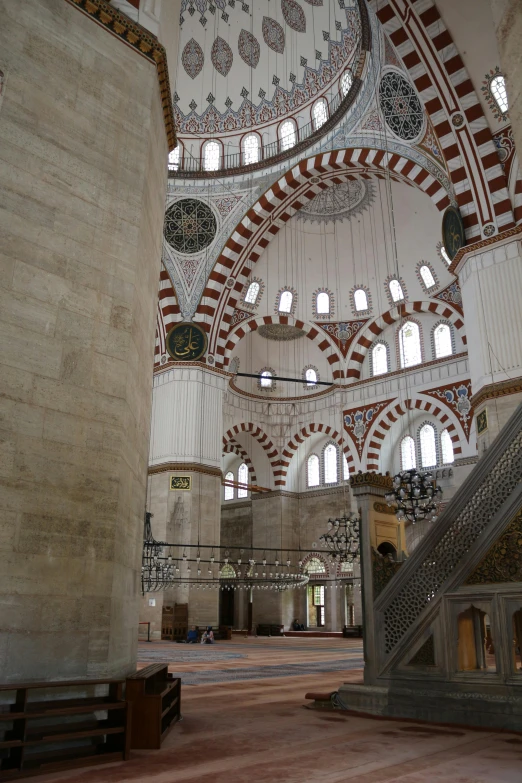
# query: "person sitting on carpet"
[[298, 626], [192, 635], [208, 636]]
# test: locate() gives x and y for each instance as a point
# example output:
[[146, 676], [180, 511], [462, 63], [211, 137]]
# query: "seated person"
[[192, 635], [208, 636], [297, 626]]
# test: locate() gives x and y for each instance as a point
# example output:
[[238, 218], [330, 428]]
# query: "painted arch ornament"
[[457, 397], [358, 422]]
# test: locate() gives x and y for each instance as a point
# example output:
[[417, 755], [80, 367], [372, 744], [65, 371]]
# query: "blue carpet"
[[268, 672]]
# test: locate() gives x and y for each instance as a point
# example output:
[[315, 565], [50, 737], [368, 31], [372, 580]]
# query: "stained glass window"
[[427, 276], [442, 341], [266, 379], [252, 293], [409, 344], [285, 302], [313, 471], [361, 300], [287, 135], [310, 376], [446, 447], [315, 566], [346, 83], [211, 156], [322, 303], [242, 478], [408, 459], [319, 113], [330, 464], [428, 448], [229, 491], [396, 290], [251, 149], [498, 90], [379, 359]]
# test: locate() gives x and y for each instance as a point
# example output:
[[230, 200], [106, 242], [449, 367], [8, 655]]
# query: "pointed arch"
[[300, 437], [231, 446], [262, 438]]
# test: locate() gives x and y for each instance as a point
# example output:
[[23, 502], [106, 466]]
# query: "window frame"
[[308, 485], [322, 100], [452, 339], [428, 289], [401, 298], [293, 303], [374, 345], [496, 78], [230, 489], [346, 72], [255, 135], [400, 345], [310, 386], [414, 452], [220, 156], [326, 447], [442, 460], [280, 136], [242, 493], [420, 428], [171, 166], [266, 388]]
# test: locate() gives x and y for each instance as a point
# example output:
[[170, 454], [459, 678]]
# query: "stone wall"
[[83, 176]]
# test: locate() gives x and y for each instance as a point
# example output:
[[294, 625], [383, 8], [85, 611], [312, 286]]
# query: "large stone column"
[[507, 16], [83, 176], [491, 282]]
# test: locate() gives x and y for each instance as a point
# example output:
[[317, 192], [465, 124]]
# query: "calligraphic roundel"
[[453, 235], [186, 342]]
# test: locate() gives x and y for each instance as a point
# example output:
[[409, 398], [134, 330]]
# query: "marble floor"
[[251, 729]]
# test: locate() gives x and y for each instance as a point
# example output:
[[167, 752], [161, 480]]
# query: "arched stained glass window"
[[322, 303], [211, 156], [229, 491], [346, 83], [428, 448], [409, 344], [397, 294], [251, 148], [445, 255], [442, 341], [313, 471], [174, 159], [227, 571], [361, 299], [446, 448], [315, 566], [427, 276], [408, 459], [285, 302], [379, 359], [319, 113], [498, 91], [287, 135], [330, 464], [252, 293], [346, 469], [310, 376], [242, 478], [266, 379]]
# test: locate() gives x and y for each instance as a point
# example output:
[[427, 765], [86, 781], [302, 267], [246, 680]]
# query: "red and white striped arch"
[[262, 438], [233, 447], [273, 210], [168, 313], [372, 330], [318, 336], [417, 31], [300, 437], [387, 418]]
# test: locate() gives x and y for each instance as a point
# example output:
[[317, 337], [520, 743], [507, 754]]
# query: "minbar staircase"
[[443, 636]]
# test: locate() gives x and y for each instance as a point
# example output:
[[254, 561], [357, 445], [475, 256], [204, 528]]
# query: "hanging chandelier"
[[415, 495], [342, 539]]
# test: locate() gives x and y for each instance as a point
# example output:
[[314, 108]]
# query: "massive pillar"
[[83, 148], [507, 16], [186, 442], [491, 282]]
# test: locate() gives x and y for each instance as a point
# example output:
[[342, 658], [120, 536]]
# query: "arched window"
[[312, 475], [310, 376], [319, 113], [409, 344], [287, 135], [315, 566], [285, 302], [211, 155], [330, 464], [266, 379], [442, 341], [174, 159], [346, 83], [242, 478], [427, 276], [408, 459], [227, 571], [379, 359], [360, 299], [428, 448], [397, 294], [322, 303], [346, 469], [252, 293], [446, 448], [498, 91], [229, 490], [445, 255], [251, 149]]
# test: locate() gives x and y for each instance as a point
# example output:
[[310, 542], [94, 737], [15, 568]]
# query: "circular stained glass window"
[[401, 108], [190, 226]]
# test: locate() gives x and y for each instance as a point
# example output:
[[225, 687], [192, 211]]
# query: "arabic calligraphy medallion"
[[186, 342], [453, 236]]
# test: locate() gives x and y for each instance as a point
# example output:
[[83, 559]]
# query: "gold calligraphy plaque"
[[482, 421], [453, 235], [186, 342], [183, 483]]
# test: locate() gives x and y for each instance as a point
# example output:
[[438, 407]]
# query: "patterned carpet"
[[190, 653], [268, 672]]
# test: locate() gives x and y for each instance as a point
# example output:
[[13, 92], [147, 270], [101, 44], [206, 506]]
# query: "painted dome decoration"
[[273, 34], [192, 58], [221, 56], [249, 49], [294, 15]]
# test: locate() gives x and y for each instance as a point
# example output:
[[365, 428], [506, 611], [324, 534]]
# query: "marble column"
[[507, 17], [83, 174]]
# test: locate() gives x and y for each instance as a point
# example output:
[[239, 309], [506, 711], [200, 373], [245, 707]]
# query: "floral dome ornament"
[[249, 49], [222, 56], [192, 58], [294, 15], [273, 34]]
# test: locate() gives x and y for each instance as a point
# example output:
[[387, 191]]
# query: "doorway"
[[226, 607]]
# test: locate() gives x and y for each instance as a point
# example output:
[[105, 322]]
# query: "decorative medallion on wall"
[[248, 47], [192, 58], [503, 562], [458, 398], [186, 342], [190, 226], [294, 15], [357, 422], [343, 332], [280, 332], [453, 235], [221, 56], [452, 295], [338, 202], [401, 107], [273, 34]]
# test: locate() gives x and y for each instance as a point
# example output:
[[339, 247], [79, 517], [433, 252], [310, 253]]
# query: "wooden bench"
[[268, 629], [155, 697], [63, 728]]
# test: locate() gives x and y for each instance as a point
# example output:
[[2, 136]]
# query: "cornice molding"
[[190, 467], [466, 250], [494, 390], [143, 42]]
